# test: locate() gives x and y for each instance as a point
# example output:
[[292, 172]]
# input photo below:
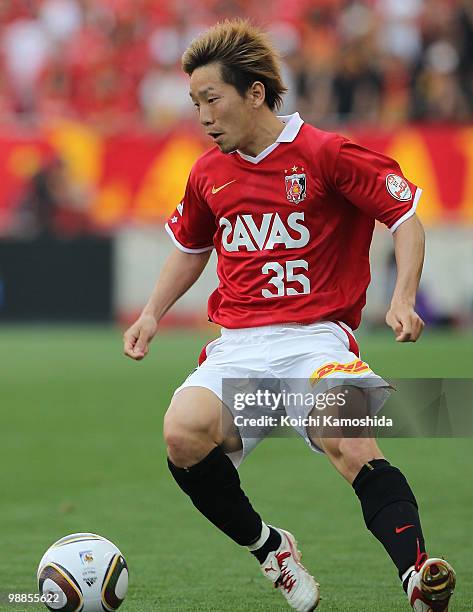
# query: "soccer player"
[[290, 211]]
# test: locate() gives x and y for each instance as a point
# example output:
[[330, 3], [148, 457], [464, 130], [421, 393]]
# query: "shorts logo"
[[295, 185], [354, 367], [398, 188]]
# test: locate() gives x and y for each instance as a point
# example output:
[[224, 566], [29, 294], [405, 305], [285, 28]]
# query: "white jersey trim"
[[182, 247], [293, 124], [409, 213]]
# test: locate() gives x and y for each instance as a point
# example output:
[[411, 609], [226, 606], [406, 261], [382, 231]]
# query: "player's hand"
[[405, 322], [136, 339]]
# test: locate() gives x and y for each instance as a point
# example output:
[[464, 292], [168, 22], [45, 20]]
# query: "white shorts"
[[324, 353]]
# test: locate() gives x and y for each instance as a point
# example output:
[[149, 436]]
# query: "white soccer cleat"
[[431, 585], [284, 569]]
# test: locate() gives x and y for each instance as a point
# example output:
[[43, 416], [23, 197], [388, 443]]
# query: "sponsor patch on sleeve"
[[398, 187]]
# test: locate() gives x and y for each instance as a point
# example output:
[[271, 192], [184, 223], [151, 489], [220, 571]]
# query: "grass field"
[[81, 450]]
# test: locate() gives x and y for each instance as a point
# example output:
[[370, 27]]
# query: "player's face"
[[225, 116]]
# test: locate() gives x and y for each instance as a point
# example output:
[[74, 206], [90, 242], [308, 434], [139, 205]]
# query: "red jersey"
[[291, 227]]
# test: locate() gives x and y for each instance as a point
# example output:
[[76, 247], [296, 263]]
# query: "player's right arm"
[[180, 271], [191, 228]]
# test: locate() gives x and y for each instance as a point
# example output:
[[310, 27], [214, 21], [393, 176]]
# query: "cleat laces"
[[421, 558], [286, 580]]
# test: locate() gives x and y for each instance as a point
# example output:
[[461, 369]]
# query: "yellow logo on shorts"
[[354, 367]]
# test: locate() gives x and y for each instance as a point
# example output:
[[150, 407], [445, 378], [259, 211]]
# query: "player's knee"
[[188, 433], [175, 436], [178, 433]]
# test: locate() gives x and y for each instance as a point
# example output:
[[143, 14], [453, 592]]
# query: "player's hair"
[[245, 55]]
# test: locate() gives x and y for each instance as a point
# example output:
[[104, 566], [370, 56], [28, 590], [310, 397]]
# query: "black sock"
[[213, 486], [390, 512], [272, 543]]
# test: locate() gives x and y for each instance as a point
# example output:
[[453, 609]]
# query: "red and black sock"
[[390, 512]]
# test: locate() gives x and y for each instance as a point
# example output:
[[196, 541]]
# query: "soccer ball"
[[83, 572]]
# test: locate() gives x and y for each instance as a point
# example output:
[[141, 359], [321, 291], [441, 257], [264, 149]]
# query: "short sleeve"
[[375, 183], [192, 224]]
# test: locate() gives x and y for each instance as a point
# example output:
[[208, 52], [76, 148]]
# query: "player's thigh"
[[199, 412]]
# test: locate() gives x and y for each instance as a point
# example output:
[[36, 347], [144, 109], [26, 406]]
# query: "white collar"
[[293, 124]]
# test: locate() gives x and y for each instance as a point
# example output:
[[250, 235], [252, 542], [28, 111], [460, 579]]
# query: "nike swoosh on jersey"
[[217, 189]]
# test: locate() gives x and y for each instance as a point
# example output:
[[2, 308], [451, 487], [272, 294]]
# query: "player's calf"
[[213, 486], [193, 434], [390, 512]]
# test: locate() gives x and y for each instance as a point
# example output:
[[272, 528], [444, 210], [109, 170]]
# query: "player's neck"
[[266, 132]]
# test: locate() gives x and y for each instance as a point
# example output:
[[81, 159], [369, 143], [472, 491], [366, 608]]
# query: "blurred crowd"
[[116, 63]]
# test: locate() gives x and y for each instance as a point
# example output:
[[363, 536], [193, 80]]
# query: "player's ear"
[[257, 94]]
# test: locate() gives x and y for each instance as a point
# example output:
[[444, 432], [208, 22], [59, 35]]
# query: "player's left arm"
[[375, 184], [409, 248]]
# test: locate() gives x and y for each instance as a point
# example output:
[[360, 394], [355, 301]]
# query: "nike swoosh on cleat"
[[217, 189], [401, 529]]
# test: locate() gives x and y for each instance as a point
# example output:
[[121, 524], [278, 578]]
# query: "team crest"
[[295, 185]]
